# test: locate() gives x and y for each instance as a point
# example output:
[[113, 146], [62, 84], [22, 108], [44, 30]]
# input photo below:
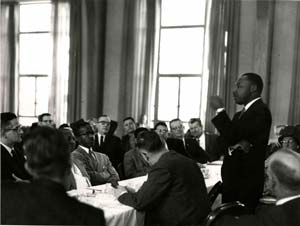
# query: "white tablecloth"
[[102, 196]]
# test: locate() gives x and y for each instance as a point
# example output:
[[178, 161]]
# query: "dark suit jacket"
[[112, 148], [286, 214], [44, 202], [134, 164], [10, 165], [174, 194], [243, 173], [98, 167], [191, 149]]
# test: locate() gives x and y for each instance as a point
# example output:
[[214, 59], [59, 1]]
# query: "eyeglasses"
[[104, 123], [177, 127], [289, 141], [16, 129]]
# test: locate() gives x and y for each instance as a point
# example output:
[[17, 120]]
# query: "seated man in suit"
[[106, 143], [284, 176], [169, 196], [206, 141], [44, 200], [96, 164], [188, 147], [128, 139], [12, 159], [77, 177], [135, 164], [45, 119], [161, 129]]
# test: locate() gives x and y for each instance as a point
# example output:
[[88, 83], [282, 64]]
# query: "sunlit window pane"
[[42, 92], [35, 53], [183, 12], [35, 17], [26, 96], [190, 91], [27, 121], [168, 98], [181, 51]]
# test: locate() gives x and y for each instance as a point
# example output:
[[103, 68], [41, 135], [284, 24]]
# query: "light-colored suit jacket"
[[98, 166]]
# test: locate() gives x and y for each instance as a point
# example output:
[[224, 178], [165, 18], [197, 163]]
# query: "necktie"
[[102, 140], [242, 112]]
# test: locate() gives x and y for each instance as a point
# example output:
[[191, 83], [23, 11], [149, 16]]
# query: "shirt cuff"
[[220, 110]]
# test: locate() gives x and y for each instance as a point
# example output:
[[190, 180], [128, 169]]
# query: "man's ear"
[[253, 88]]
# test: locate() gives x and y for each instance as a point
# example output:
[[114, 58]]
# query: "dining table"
[[118, 214]]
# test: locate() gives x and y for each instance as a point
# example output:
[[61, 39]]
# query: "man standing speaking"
[[244, 139]]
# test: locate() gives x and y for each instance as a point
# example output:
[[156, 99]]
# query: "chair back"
[[214, 192], [233, 209]]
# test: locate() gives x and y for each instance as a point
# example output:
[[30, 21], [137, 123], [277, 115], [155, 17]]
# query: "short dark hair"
[[161, 123], [174, 120], [150, 141], [128, 118], [193, 120], [64, 125], [77, 125], [139, 130], [6, 117], [41, 116], [287, 176], [256, 80], [47, 152]]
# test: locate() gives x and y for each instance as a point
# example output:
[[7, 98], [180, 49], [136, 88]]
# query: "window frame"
[[30, 75], [179, 75]]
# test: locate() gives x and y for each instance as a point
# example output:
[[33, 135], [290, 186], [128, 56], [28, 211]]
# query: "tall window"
[[181, 57], [35, 60]]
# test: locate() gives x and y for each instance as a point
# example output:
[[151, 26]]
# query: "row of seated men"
[[122, 153], [43, 201]]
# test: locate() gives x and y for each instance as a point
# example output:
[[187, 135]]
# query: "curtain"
[[60, 70], [294, 109], [8, 28], [139, 58], [87, 51], [223, 38]]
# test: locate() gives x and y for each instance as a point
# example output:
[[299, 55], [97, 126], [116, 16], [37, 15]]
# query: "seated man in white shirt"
[[97, 165], [284, 176], [78, 177]]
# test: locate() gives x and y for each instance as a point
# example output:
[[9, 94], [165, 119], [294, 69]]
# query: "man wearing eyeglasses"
[[188, 147], [45, 119], [107, 143], [12, 161]]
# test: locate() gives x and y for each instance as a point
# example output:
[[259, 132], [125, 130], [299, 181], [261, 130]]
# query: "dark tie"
[[242, 112], [102, 140]]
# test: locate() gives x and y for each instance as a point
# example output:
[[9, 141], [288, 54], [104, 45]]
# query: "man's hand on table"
[[121, 190]]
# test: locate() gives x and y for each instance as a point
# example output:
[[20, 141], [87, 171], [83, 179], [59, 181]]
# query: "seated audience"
[[128, 140], [161, 129], [78, 176], [284, 174], [207, 142], [12, 159], [135, 164], [45, 119], [106, 143], [44, 200], [169, 196], [96, 164], [185, 146], [290, 139]]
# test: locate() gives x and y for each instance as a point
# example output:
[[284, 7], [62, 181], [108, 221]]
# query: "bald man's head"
[[284, 170]]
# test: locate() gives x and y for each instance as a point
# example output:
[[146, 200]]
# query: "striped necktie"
[[242, 112]]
